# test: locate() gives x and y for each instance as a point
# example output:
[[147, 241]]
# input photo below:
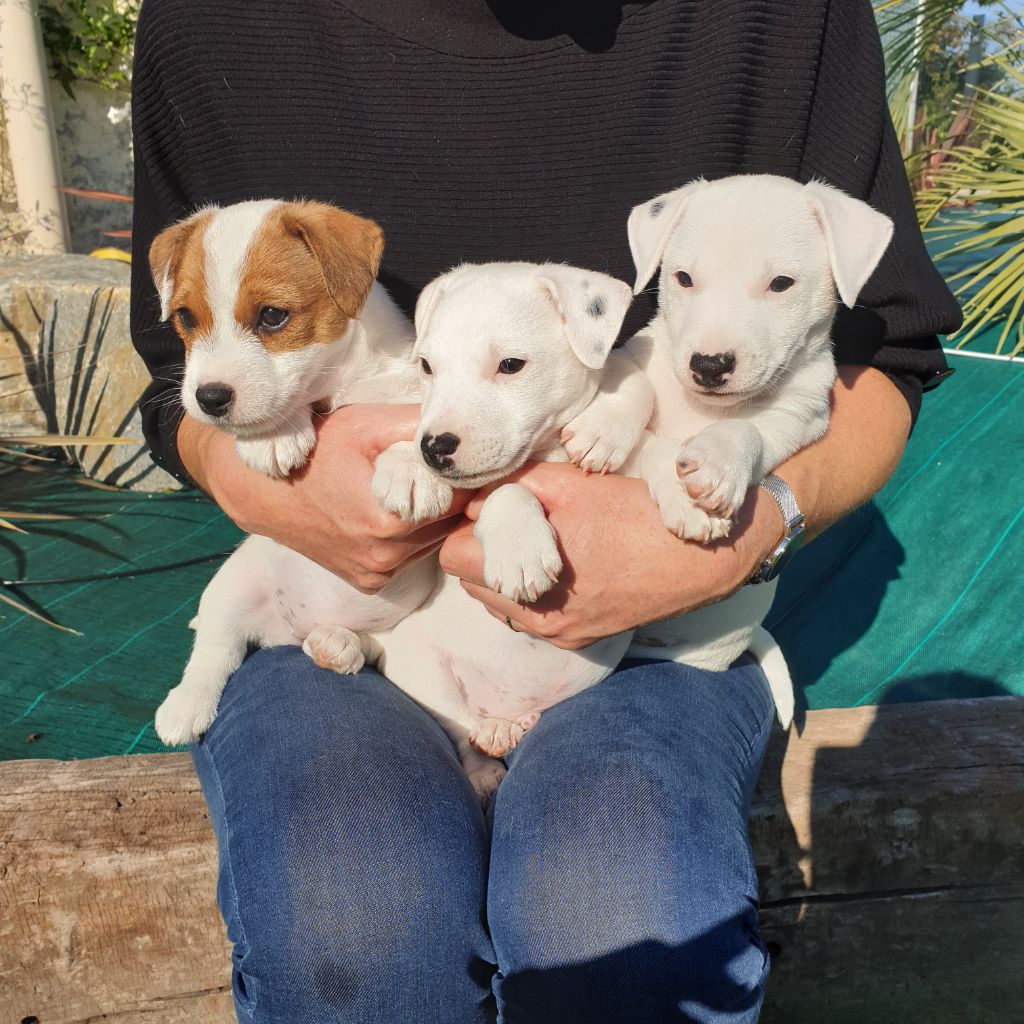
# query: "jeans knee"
[[713, 973], [352, 857], [330, 926], [622, 886]]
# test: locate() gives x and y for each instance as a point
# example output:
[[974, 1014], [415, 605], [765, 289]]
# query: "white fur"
[[266, 594], [733, 236], [485, 683]]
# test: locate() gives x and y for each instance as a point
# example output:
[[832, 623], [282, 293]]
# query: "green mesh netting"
[[914, 597], [67, 696]]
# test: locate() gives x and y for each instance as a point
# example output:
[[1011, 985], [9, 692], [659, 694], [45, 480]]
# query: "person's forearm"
[[865, 440]]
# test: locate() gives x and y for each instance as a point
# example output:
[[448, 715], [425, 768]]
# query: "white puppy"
[[280, 316], [514, 357], [741, 361]]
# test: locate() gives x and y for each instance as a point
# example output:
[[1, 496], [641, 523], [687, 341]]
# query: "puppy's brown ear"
[[347, 247], [166, 252]]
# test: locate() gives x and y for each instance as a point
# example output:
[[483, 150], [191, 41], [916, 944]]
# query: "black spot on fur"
[[656, 208], [596, 307]]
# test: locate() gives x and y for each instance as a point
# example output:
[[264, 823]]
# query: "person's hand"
[[325, 511], [622, 566]]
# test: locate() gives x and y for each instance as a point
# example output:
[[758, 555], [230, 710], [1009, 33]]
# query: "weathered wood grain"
[[888, 842], [953, 956], [903, 796], [107, 874]]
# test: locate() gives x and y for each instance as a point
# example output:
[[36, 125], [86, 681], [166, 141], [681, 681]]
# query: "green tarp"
[[915, 597]]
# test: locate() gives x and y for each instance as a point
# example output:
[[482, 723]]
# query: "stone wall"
[[67, 364]]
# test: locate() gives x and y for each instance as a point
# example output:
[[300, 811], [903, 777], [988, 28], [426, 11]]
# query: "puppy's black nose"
[[214, 399], [711, 371], [437, 449]]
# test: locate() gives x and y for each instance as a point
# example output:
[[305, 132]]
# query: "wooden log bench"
[[889, 842]]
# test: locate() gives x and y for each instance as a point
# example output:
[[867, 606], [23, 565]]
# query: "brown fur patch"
[[315, 261], [178, 251]]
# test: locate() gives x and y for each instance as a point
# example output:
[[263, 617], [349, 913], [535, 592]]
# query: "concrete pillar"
[[25, 94]]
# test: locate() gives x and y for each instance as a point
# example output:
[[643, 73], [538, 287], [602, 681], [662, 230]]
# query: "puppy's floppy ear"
[[347, 247], [856, 235], [649, 227], [592, 307], [426, 303], [166, 252]]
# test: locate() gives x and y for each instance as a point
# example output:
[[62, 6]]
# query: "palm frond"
[[982, 254], [35, 615], [58, 440]]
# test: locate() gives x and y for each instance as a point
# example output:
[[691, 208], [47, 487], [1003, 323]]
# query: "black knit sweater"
[[477, 130]]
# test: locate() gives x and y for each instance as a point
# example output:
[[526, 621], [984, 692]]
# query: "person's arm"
[[623, 568], [325, 511]]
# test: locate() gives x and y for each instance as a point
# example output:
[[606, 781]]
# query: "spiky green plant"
[[987, 244], [965, 154], [16, 449]]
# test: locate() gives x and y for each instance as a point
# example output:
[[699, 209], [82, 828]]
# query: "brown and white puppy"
[[279, 311]]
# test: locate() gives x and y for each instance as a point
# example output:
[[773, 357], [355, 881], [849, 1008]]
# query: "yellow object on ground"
[[110, 252]]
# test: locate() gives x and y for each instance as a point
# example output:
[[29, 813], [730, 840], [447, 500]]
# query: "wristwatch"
[[791, 541]]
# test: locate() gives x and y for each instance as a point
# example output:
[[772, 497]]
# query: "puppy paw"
[[717, 483], [596, 446], [406, 487], [335, 648], [277, 456], [186, 713], [524, 572], [679, 513], [495, 737]]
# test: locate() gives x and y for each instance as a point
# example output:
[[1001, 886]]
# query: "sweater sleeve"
[[851, 143], [160, 199]]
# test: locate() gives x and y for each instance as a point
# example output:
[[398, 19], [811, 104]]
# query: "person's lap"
[[613, 881]]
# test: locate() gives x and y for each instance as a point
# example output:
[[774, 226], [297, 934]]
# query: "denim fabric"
[[611, 881]]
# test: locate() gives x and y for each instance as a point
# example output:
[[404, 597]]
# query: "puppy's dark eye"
[[781, 284], [425, 367], [511, 365], [272, 319], [186, 321], [684, 279]]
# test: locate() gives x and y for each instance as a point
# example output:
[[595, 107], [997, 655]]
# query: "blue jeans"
[[610, 881]]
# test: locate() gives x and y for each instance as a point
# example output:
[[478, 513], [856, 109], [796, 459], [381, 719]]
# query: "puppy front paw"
[[186, 713], [277, 456], [717, 483], [681, 515], [335, 648], [596, 445], [525, 573], [406, 487]]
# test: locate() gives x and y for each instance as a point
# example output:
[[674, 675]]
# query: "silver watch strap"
[[794, 527], [786, 500]]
